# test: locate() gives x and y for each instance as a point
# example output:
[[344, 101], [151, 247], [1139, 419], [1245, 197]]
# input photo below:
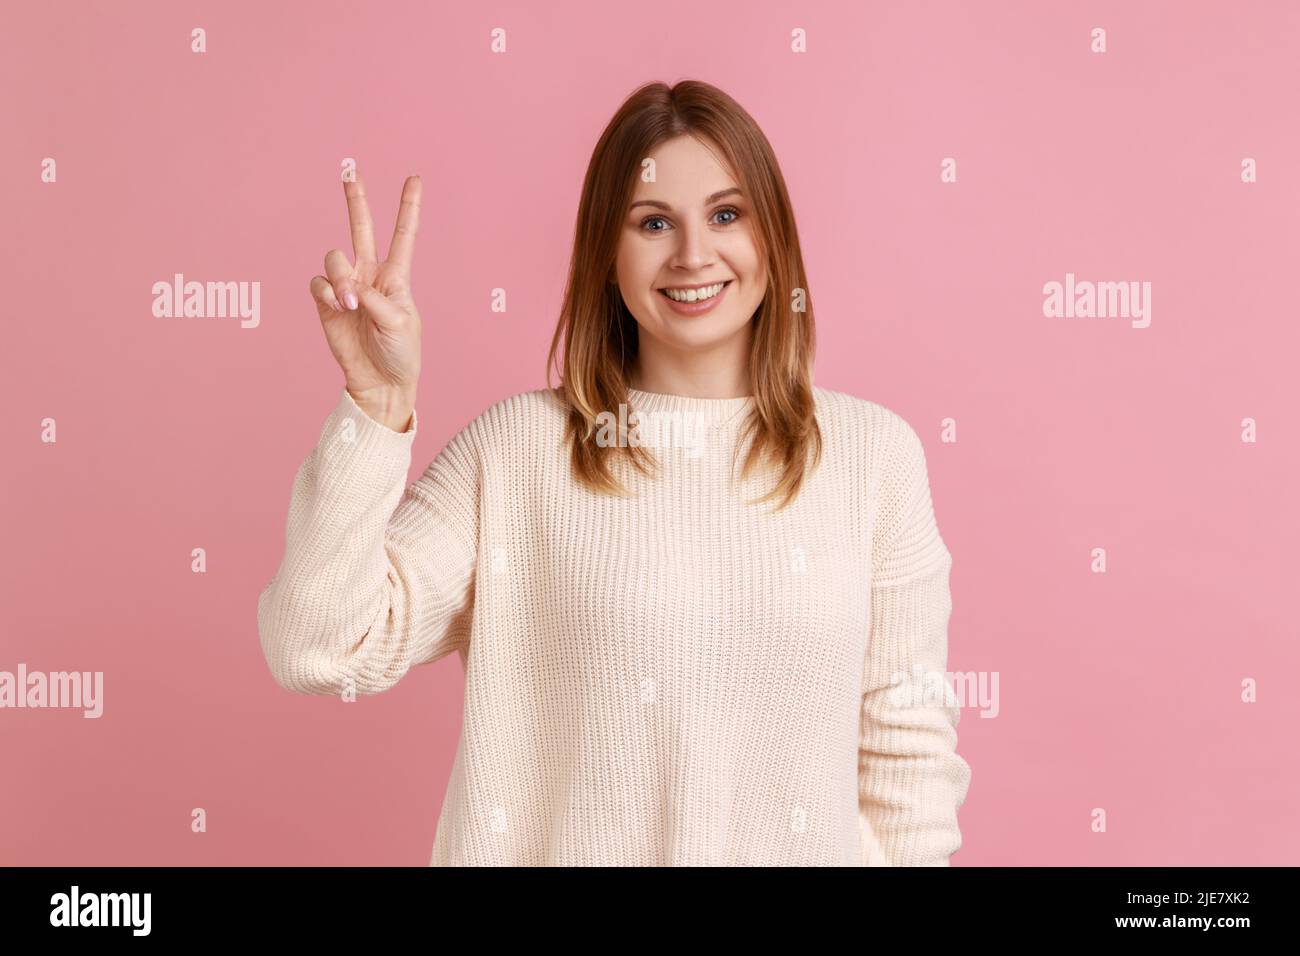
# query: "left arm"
[[911, 779]]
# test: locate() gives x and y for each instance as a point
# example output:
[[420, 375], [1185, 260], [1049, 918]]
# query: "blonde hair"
[[600, 334]]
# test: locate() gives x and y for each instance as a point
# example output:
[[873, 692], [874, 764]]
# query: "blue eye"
[[726, 209]]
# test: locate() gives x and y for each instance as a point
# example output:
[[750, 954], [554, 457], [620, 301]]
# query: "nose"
[[694, 250]]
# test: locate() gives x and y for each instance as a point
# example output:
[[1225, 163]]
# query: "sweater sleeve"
[[911, 780], [376, 577]]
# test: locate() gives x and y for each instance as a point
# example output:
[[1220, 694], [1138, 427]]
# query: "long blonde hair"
[[600, 334]]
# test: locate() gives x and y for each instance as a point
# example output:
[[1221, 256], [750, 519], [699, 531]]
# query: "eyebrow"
[[709, 200]]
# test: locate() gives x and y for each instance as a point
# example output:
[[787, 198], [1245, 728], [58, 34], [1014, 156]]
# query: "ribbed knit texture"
[[676, 678]]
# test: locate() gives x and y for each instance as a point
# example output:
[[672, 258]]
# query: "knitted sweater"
[[675, 678]]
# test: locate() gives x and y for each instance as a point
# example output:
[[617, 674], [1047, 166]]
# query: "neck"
[[721, 373]]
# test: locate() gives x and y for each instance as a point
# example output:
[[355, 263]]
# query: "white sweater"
[[676, 678]]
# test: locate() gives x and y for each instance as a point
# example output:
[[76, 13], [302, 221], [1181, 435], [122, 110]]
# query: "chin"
[[698, 333]]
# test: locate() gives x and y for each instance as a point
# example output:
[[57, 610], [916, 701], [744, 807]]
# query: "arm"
[[911, 780], [364, 592]]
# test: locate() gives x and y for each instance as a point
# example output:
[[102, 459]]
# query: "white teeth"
[[694, 295]]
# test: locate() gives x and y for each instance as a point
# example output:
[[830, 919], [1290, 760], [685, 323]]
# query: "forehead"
[[686, 170]]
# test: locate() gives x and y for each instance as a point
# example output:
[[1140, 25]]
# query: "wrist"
[[390, 407]]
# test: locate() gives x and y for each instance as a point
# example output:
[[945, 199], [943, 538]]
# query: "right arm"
[[364, 592], [372, 580]]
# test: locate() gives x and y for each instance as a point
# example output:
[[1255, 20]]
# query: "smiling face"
[[688, 264]]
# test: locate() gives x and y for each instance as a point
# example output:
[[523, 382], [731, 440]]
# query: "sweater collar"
[[712, 411]]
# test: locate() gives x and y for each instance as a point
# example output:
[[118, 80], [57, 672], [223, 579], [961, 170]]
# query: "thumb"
[[377, 306]]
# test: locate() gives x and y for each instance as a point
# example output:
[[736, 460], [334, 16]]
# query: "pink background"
[[1119, 691]]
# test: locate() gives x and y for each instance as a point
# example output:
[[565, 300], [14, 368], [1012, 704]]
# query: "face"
[[691, 228]]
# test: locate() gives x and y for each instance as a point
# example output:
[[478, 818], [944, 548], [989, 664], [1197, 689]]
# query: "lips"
[[702, 285], [701, 306], [698, 285]]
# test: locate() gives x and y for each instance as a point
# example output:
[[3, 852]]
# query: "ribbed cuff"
[[352, 440]]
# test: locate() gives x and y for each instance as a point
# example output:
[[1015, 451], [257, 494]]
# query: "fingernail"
[[350, 299]]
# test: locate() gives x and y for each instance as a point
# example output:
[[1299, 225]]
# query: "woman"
[[668, 659]]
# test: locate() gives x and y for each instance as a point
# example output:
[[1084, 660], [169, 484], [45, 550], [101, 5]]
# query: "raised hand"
[[366, 310]]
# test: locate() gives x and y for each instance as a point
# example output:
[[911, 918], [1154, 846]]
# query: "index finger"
[[408, 222], [363, 228]]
